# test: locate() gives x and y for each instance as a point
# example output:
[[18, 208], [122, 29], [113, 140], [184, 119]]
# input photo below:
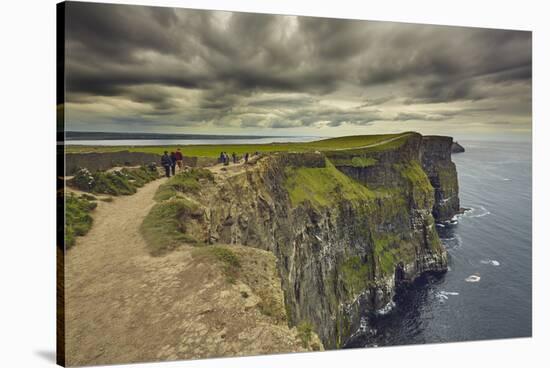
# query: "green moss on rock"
[[355, 274], [322, 186]]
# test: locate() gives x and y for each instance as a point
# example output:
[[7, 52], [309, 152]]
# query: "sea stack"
[[457, 148]]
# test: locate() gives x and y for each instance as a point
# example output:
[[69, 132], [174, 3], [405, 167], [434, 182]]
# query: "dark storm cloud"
[[283, 102], [253, 70]]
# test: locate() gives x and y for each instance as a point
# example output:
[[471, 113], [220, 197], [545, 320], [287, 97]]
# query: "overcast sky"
[[150, 69]]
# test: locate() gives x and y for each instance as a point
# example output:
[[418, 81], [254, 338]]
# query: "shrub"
[[77, 217], [305, 331], [121, 182], [140, 176], [83, 180]]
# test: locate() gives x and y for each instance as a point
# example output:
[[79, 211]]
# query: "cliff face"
[[436, 162], [347, 227]]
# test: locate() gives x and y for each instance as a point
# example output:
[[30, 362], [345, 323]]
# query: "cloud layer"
[[150, 68]]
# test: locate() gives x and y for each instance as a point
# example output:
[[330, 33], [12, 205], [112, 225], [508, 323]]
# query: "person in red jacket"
[[179, 159]]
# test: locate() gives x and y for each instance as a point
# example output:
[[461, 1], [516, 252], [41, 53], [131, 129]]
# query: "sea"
[[487, 292]]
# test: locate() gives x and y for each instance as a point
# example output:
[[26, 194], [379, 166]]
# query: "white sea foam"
[[442, 296], [472, 278], [386, 309], [363, 325], [477, 212], [492, 262], [453, 293]]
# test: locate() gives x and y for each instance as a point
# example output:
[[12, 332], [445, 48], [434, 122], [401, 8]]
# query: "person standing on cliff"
[[179, 159], [166, 162], [173, 163]]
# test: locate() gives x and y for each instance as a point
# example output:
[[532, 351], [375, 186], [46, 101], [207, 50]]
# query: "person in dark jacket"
[[173, 163], [246, 158], [179, 159], [166, 162], [234, 155]]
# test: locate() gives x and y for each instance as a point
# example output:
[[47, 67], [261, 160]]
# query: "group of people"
[[170, 161], [225, 159]]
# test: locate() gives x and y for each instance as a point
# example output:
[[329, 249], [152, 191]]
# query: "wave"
[[476, 212], [453, 293], [385, 309], [443, 296], [472, 278], [492, 262]]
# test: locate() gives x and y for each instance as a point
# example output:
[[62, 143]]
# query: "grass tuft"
[[305, 333], [162, 228], [231, 265], [78, 220], [185, 182]]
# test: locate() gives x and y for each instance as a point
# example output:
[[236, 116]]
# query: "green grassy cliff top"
[[331, 144]]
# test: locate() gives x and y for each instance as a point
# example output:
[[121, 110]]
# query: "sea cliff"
[[347, 226]]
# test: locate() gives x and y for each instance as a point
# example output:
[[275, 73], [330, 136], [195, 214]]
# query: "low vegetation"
[[189, 181], [305, 333], [353, 161], [78, 220], [231, 265], [389, 250], [355, 274], [175, 218], [321, 186], [118, 182], [271, 306], [162, 229]]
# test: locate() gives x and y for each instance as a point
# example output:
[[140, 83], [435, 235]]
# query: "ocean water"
[[486, 294]]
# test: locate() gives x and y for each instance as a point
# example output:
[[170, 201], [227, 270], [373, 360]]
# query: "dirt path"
[[123, 305], [373, 144]]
